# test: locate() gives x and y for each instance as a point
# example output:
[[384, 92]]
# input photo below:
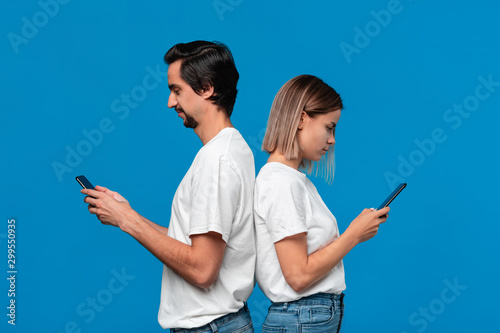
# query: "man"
[[208, 250]]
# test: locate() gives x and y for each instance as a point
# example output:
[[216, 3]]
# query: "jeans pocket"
[[319, 314], [242, 323], [247, 329], [269, 329], [321, 319]]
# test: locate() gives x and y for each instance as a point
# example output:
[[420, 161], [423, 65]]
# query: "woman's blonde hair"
[[302, 93]]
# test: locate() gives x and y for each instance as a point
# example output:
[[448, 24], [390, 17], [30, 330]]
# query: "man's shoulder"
[[227, 147]]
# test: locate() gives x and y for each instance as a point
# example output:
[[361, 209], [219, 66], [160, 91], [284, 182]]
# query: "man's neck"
[[212, 124]]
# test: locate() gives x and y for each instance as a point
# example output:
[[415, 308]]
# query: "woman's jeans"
[[316, 314], [237, 322]]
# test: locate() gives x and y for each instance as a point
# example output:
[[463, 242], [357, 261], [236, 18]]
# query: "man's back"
[[215, 195]]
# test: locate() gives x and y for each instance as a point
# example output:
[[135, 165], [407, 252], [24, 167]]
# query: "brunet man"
[[208, 250]]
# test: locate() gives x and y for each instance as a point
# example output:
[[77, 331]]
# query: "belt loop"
[[213, 326], [342, 298]]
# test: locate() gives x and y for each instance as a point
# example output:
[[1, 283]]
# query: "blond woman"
[[299, 248]]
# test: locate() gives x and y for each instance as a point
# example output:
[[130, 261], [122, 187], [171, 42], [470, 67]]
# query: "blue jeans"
[[237, 322], [317, 313]]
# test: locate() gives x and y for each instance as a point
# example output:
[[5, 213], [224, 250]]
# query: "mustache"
[[179, 109]]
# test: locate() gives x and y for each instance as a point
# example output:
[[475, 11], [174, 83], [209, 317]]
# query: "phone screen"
[[82, 180], [392, 196]]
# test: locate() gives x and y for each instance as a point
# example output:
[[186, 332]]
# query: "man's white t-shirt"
[[287, 203], [216, 194]]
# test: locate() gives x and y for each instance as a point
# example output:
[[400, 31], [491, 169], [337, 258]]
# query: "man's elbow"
[[206, 279]]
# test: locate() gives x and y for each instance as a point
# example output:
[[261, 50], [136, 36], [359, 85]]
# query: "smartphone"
[[82, 180], [392, 196]]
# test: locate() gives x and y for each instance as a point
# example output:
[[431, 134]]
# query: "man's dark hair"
[[208, 64]]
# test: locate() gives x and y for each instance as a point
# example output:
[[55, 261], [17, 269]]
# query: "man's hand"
[[115, 195], [109, 206]]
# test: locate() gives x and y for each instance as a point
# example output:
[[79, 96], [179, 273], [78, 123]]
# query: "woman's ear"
[[303, 117]]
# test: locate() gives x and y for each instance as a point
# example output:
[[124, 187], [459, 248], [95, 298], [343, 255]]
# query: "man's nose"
[[172, 101]]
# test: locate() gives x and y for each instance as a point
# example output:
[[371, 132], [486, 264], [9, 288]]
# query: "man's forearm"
[[158, 227], [198, 265]]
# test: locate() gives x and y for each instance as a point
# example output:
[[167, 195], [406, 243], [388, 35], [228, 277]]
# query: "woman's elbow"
[[297, 283]]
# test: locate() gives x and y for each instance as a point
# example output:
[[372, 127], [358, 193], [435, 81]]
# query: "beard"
[[190, 122]]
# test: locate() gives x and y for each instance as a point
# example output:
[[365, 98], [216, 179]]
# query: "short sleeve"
[[215, 198], [282, 201]]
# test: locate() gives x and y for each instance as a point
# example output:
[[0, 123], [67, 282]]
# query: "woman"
[[299, 250]]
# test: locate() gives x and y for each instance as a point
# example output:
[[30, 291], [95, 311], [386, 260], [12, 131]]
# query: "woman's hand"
[[366, 225]]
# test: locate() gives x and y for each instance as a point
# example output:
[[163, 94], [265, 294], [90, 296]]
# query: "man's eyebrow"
[[172, 86], [333, 124]]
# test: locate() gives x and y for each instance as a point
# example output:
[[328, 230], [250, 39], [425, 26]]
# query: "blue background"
[[64, 70]]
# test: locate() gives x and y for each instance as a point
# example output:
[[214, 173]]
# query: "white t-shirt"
[[287, 203], [216, 194]]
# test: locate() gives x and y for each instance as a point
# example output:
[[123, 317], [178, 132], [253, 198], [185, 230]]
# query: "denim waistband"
[[324, 295], [315, 299], [218, 322]]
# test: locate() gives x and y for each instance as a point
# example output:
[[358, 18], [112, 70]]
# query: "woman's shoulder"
[[275, 174]]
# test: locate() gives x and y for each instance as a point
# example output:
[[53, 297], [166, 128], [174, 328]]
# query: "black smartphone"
[[82, 180], [392, 196]]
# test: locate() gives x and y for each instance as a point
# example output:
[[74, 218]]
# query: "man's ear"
[[207, 93]]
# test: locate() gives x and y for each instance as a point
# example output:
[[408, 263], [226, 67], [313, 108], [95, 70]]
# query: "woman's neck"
[[277, 156]]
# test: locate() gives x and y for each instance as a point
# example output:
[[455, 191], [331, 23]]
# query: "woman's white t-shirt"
[[287, 203]]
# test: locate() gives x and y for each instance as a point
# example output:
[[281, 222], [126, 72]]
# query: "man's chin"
[[190, 123]]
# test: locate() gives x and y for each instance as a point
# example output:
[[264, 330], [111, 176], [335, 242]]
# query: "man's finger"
[[101, 188], [90, 200], [91, 193], [92, 209]]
